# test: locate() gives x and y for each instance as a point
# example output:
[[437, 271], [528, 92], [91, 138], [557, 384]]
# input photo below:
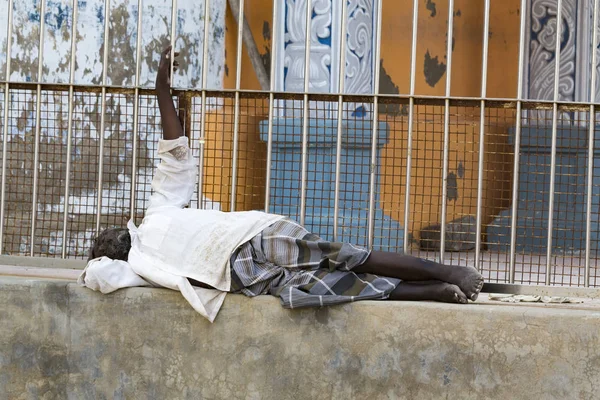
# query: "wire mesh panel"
[[499, 158], [218, 147], [84, 173], [19, 171], [424, 231], [117, 159], [150, 132], [52, 163], [285, 165]]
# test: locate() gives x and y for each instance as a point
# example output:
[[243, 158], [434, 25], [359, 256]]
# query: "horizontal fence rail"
[[507, 184]]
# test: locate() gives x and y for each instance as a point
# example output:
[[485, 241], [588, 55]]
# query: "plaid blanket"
[[304, 270]]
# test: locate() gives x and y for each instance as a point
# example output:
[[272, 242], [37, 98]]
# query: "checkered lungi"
[[304, 270]]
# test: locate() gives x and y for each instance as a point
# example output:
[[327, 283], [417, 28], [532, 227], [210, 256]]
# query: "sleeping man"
[[206, 254]]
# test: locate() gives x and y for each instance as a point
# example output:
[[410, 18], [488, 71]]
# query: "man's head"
[[113, 243]]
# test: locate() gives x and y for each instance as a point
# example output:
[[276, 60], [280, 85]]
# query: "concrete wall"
[[58, 340]]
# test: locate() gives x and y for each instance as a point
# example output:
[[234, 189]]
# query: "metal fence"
[[86, 158]]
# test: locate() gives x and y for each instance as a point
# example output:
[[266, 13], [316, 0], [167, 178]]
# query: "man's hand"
[[163, 77]]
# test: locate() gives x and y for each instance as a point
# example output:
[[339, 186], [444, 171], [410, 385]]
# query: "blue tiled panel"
[[354, 179], [569, 214]]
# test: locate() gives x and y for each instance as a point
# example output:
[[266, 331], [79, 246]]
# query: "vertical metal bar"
[[340, 117], [5, 121], [591, 139], [103, 113], [484, 67], [305, 111], [185, 101], [136, 112], [553, 154], [236, 112], [173, 38], [274, 49], [69, 128], [446, 129], [201, 145], [203, 84], [38, 113], [186, 98], [515, 188], [411, 111], [373, 168]]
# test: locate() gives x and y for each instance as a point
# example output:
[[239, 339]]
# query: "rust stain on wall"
[[452, 187], [430, 5], [387, 86], [433, 69]]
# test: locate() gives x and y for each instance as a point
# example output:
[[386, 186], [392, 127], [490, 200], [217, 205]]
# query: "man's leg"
[[428, 290], [409, 268]]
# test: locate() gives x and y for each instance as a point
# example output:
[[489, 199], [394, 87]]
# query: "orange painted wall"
[[251, 172], [468, 46]]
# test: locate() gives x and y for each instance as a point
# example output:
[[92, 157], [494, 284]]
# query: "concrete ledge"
[[58, 340]]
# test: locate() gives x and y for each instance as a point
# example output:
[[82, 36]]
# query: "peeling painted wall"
[[118, 133], [156, 20]]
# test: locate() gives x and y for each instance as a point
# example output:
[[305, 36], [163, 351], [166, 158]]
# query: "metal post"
[[446, 130], [136, 112], [203, 84], [173, 38], [274, 38], [38, 113], [373, 169], [340, 118], [591, 139], [553, 154], [5, 124], [484, 66], [103, 112], [236, 112], [305, 116], [515, 189], [69, 129], [411, 110]]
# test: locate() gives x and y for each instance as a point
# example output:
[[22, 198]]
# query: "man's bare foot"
[[468, 279], [449, 293], [429, 290]]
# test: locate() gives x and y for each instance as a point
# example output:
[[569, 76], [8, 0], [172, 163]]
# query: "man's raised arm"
[[175, 178], [171, 125]]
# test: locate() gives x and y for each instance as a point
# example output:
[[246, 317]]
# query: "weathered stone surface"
[[58, 340]]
